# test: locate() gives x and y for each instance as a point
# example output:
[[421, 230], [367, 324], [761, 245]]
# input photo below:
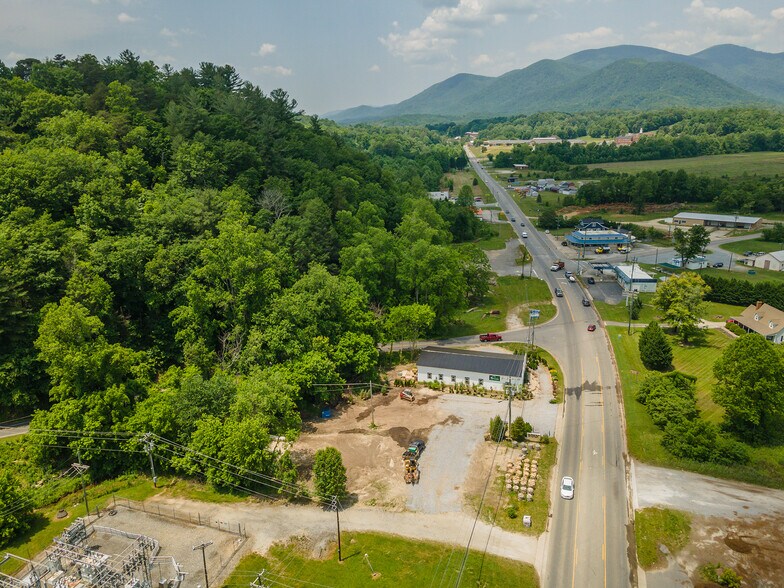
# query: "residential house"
[[769, 261], [762, 319]]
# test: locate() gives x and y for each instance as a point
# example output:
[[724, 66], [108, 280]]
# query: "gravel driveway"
[[702, 495], [444, 464]]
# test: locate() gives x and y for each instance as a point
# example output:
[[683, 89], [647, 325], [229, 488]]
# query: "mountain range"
[[623, 77]]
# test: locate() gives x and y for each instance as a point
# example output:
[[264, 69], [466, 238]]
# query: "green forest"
[[188, 256]]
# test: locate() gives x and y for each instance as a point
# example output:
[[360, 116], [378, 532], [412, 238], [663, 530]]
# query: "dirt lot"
[[750, 546], [451, 425]]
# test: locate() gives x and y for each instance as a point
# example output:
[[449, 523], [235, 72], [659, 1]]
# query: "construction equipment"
[[411, 471]]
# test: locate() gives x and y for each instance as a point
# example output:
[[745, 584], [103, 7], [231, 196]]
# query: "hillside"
[[620, 77]]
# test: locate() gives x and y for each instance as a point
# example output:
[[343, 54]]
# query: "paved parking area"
[[605, 289]]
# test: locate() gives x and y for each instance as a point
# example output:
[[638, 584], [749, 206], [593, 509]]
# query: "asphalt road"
[[587, 541]]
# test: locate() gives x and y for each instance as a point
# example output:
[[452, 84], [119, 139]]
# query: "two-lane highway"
[[587, 540]]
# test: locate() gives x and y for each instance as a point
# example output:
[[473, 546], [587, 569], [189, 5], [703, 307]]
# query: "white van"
[[524, 235]]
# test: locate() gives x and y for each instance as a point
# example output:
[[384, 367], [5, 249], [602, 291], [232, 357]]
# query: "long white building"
[[489, 370]]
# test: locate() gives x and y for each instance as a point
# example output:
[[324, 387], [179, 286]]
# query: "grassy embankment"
[[509, 293], [713, 311], [765, 163], [759, 275], [498, 500], [644, 438], [503, 232], [558, 382], [397, 561], [659, 526]]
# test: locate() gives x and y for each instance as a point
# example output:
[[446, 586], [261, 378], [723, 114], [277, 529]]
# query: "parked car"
[[489, 337], [558, 293], [718, 264], [567, 488], [747, 253], [407, 394], [547, 231], [524, 235], [586, 302], [591, 328], [565, 243], [590, 280]]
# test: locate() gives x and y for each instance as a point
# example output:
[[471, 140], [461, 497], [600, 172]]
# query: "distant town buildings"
[[732, 221], [632, 138]]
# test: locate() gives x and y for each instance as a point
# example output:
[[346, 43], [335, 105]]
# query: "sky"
[[335, 54]]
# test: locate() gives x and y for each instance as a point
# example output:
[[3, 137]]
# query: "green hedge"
[[743, 292]]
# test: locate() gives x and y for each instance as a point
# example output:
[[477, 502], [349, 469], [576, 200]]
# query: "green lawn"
[[759, 275], [766, 163], [508, 293], [755, 245], [620, 312], [397, 561], [659, 526], [503, 232], [644, 438], [466, 177], [532, 208]]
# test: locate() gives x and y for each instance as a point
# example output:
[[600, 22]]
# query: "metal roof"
[[722, 218], [481, 362], [625, 272]]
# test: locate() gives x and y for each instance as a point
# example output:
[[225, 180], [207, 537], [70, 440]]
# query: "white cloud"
[[13, 57], [598, 35], [277, 70], [443, 27], [124, 17], [266, 49], [374, 68], [577, 41], [482, 59], [777, 13]]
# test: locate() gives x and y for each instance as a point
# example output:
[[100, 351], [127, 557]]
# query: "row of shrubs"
[[671, 402]]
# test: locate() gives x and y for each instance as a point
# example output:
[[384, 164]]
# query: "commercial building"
[[597, 237], [769, 261], [762, 319], [492, 371], [633, 277], [731, 221]]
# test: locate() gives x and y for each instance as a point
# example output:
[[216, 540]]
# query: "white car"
[[567, 488], [524, 235], [572, 279]]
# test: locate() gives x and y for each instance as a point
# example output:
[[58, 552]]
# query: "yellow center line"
[[579, 471], [604, 472]]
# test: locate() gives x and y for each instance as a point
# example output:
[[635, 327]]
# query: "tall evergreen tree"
[[655, 350]]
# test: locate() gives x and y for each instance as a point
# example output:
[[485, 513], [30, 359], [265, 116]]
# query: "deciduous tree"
[[680, 299], [329, 474]]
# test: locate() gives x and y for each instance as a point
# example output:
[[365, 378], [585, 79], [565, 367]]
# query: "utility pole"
[[631, 296], [336, 507], [204, 545], [372, 408], [148, 447], [82, 469]]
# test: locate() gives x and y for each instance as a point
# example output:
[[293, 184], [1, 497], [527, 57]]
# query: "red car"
[[487, 337], [591, 328]]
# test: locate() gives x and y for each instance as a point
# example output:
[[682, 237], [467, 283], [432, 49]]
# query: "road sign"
[[533, 314], [495, 378]]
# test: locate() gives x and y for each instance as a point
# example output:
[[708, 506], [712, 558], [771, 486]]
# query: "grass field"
[[509, 293], [765, 163], [467, 177], [396, 561], [659, 526], [620, 312], [755, 245], [532, 208], [759, 275], [644, 438], [503, 232]]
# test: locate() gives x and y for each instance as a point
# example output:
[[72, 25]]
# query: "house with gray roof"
[[493, 371], [762, 319]]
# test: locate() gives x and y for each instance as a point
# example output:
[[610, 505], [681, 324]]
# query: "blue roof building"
[[597, 237]]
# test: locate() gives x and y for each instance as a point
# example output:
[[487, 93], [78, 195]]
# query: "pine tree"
[[655, 350]]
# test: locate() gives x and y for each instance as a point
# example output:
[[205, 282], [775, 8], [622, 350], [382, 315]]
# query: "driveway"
[[702, 495]]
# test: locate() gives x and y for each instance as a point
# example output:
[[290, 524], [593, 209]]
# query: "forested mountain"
[[187, 255], [623, 77]]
